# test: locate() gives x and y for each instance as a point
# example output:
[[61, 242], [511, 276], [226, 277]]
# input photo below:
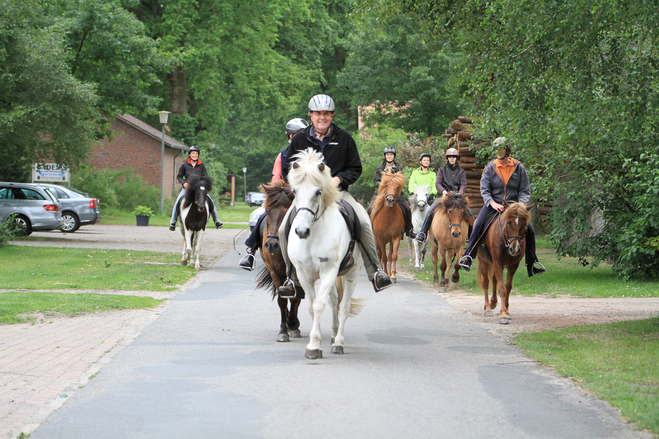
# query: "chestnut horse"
[[272, 274], [388, 221], [506, 245], [449, 230]]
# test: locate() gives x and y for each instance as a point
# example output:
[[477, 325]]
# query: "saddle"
[[354, 226], [407, 214], [484, 251]]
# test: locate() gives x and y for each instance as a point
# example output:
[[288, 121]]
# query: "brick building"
[[138, 145]]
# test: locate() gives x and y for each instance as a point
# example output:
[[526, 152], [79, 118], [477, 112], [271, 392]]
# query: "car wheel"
[[24, 224], [71, 222]]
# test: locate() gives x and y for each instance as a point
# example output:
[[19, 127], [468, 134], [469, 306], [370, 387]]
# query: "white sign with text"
[[49, 172]]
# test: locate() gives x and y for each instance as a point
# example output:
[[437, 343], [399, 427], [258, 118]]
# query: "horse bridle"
[[393, 198], [449, 221], [508, 240], [315, 214]]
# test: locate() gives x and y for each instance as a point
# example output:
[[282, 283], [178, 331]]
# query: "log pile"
[[459, 136]]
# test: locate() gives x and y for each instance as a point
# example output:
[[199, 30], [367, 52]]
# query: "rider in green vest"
[[423, 175]]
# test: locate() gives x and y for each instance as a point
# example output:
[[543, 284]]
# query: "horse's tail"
[[264, 280]]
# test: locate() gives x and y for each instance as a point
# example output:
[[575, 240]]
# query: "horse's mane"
[[193, 183], [452, 200], [309, 171], [517, 210], [277, 194], [398, 178]]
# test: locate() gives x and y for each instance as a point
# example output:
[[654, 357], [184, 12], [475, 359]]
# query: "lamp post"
[[164, 115], [245, 182]]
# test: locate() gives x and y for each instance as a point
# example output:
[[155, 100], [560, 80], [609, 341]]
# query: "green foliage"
[[121, 188], [575, 86], [402, 72], [8, 230], [142, 211], [44, 110], [615, 361]]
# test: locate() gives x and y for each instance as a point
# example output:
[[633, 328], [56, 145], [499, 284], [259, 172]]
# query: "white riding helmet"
[[321, 103], [295, 125], [501, 142]]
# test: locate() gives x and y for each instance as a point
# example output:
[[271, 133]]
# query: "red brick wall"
[[132, 148]]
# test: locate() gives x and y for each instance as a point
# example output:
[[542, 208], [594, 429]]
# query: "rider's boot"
[[248, 261], [466, 262], [381, 281], [532, 270], [422, 235], [290, 291], [172, 226]]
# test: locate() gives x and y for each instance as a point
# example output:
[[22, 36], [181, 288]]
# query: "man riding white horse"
[[341, 156], [192, 166]]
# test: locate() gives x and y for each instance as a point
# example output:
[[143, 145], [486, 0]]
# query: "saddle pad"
[[351, 219]]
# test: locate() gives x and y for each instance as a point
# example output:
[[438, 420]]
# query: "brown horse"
[[279, 198], [449, 233], [506, 245], [388, 221]]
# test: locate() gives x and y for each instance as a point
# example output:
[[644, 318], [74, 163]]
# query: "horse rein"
[[508, 240]]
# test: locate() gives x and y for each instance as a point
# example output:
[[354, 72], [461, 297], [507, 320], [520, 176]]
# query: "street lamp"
[[245, 182], [164, 115]]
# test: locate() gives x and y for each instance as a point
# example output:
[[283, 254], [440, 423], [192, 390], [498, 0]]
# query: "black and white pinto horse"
[[193, 213]]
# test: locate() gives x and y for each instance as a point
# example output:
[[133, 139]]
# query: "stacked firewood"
[[458, 136]]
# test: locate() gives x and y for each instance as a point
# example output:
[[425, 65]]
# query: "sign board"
[[49, 172]]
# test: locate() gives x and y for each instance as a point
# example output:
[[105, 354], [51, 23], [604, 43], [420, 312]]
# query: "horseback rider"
[[253, 241], [504, 180], [388, 165], [423, 175], [341, 156], [192, 166], [450, 178]]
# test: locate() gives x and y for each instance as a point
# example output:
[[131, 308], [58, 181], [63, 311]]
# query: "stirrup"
[[287, 290], [533, 271], [247, 262], [466, 263], [420, 237], [172, 227], [382, 283]]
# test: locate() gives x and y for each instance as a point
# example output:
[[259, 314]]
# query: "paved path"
[[415, 367]]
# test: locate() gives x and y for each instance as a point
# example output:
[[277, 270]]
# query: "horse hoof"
[[442, 289], [393, 280], [283, 338], [313, 354], [197, 267], [504, 320], [489, 313], [295, 334], [337, 349], [184, 262]]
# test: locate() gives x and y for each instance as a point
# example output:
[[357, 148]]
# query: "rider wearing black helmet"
[[388, 165], [253, 241], [192, 166]]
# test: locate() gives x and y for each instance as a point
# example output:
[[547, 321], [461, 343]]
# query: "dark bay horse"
[[194, 215], [388, 221], [279, 198], [449, 233], [506, 245]]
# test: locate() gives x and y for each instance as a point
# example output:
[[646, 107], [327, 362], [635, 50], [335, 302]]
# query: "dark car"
[[78, 209], [33, 207]]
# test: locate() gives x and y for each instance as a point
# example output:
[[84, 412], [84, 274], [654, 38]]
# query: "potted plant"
[[142, 214]]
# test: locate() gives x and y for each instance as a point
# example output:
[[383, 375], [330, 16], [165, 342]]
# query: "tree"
[[45, 112], [575, 85], [402, 72]]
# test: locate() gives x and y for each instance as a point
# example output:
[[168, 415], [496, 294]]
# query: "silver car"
[[78, 208], [33, 206]]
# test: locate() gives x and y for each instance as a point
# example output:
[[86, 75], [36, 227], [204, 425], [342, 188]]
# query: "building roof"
[[152, 132]]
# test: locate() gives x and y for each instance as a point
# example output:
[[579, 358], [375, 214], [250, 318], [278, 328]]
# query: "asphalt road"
[[210, 367]]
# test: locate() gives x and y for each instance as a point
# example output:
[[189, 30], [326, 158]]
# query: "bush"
[[8, 230]]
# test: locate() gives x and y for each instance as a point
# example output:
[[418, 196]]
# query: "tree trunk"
[[178, 83]]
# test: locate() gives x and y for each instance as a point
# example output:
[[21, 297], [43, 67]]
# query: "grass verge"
[[21, 307], [38, 268], [237, 213], [563, 277], [616, 361]]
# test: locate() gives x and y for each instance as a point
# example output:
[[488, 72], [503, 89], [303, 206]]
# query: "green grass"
[[21, 307], [616, 361], [238, 213], [37, 268], [563, 277]]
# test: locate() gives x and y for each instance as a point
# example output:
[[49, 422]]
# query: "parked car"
[[33, 206], [78, 208], [255, 199]]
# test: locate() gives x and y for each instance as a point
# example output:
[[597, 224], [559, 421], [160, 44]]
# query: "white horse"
[[419, 204], [194, 213], [317, 244]]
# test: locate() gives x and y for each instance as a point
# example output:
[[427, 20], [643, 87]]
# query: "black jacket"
[[187, 170], [341, 154], [395, 167]]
